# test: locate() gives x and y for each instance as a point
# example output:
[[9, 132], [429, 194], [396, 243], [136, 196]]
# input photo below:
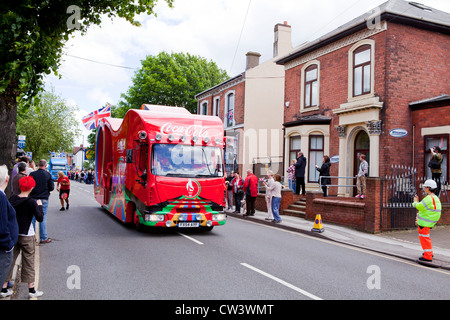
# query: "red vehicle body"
[[161, 167]]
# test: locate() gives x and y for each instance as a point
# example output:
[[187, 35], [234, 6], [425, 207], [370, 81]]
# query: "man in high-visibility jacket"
[[429, 214]]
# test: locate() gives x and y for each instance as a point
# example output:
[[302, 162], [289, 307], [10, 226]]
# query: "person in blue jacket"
[[9, 231]]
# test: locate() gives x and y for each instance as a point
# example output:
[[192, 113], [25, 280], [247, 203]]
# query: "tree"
[[32, 36], [170, 79], [48, 123]]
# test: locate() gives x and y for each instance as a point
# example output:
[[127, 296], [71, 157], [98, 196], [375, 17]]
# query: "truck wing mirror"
[[130, 155]]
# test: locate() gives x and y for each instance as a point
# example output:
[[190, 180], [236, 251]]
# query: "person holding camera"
[[361, 177], [324, 177], [435, 165], [429, 213]]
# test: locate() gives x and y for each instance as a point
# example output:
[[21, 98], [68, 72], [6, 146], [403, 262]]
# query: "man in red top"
[[64, 191], [251, 192]]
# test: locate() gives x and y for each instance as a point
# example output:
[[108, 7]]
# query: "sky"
[[99, 66]]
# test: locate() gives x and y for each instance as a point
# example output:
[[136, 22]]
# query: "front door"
[[362, 146]]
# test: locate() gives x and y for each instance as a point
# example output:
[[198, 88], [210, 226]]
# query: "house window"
[[311, 86], [216, 107], [440, 141], [361, 70], [204, 108], [294, 147], [315, 157], [230, 110]]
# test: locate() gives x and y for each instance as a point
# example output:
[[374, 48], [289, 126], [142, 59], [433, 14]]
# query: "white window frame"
[[371, 43], [200, 107], [302, 86], [216, 106]]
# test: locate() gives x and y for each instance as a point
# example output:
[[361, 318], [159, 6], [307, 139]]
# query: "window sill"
[[309, 109]]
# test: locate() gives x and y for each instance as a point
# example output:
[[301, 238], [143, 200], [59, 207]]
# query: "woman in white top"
[[275, 191]]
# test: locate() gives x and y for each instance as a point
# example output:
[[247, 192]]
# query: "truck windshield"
[[186, 161]]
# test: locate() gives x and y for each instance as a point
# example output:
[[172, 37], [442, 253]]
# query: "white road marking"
[[190, 238], [291, 286]]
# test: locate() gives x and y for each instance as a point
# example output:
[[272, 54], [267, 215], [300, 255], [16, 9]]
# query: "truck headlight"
[[154, 217], [219, 217]]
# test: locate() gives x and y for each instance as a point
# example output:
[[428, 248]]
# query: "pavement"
[[403, 244]]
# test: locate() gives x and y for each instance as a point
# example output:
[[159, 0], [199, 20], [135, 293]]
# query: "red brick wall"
[[333, 81], [416, 68], [363, 215], [410, 65], [333, 88], [287, 198], [343, 211], [239, 101]]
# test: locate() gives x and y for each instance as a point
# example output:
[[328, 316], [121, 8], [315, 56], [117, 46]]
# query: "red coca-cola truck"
[[161, 167]]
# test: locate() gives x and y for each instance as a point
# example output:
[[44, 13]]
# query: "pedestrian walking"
[[90, 177], [276, 199], [361, 177], [269, 184], [251, 192], [324, 172], [429, 213], [26, 209], [435, 166], [9, 231], [22, 172], [63, 187], [44, 185], [237, 185], [300, 167]]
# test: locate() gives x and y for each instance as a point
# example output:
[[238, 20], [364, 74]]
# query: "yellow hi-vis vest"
[[429, 211]]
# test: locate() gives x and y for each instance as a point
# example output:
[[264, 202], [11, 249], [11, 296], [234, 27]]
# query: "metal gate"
[[397, 196]]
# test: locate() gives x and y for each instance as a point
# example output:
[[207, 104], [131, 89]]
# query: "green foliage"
[[48, 123], [170, 79], [33, 34]]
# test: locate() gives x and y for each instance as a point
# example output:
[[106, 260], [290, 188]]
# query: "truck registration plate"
[[188, 224]]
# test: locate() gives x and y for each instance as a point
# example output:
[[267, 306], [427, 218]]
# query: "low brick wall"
[[287, 198], [363, 215], [345, 211], [445, 214]]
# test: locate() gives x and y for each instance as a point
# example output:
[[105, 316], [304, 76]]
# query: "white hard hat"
[[430, 183]]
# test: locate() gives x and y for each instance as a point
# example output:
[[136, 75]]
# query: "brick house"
[[377, 85], [251, 107]]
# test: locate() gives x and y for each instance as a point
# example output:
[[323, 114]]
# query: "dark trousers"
[[237, 200], [250, 204], [300, 183], [437, 177]]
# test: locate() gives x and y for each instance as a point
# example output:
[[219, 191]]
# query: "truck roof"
[[155, 117]]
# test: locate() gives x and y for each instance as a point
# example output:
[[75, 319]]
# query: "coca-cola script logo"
[[191, 130], [193, 188]]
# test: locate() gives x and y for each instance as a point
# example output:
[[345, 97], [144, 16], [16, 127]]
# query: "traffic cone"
[[318, 227]]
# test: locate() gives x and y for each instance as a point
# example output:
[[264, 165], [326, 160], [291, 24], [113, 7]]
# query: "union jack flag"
[[91, 120]]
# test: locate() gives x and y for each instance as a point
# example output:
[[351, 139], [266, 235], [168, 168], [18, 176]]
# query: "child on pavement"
[[26, 208]]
